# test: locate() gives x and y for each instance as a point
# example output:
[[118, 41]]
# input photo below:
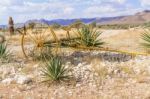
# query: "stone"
[[8, 81], [21, 79]]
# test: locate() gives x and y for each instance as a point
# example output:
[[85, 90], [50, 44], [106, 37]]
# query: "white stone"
[[7, 81], [21, 79], [80, 64]]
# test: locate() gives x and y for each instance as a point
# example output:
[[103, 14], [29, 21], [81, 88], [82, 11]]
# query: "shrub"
[[146, 39], [31, 25], [41, 54], [89, 37], [2, 38], [93, 24], [77, 24], [56, 26], [4, 54], [54, 71]]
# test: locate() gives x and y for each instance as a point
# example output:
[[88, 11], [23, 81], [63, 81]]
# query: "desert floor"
[[97, 74]]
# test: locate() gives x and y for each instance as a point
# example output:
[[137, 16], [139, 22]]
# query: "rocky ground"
[[96, 75]]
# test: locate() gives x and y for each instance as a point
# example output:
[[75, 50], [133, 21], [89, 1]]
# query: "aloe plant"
[[55, 71], [89, 37], [4, 53], [146, 39]]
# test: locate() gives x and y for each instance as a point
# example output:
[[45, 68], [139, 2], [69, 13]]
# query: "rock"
[[137, 70], [5, 73], [21, 79], [7, 70], [70, 92], [8, 81]]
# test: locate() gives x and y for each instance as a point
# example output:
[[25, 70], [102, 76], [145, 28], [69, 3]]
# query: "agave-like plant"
[[4, 53], [89, 37], [146, 38], [54, 71]]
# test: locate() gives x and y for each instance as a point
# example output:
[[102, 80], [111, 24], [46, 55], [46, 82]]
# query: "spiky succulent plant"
[[54, 71], [4, 53], [89, 37], [146, 39]]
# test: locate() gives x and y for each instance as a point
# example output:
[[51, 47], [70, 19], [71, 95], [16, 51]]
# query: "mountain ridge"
[[137, 18]]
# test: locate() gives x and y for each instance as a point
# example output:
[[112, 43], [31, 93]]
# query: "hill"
[[137, 18]]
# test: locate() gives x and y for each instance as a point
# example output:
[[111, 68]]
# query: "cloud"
[[11, 2], [106, 8], [68, 10], [97, 10], [22, 10], [120, 1], [145, 2]]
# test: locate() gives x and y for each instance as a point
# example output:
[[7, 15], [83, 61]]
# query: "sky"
[[23, 10]]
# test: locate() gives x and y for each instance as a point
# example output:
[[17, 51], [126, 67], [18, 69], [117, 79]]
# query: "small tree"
[[11, 26]]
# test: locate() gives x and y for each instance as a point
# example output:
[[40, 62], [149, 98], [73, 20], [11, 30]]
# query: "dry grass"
[[122, 39], [100, 68], [126, 40]]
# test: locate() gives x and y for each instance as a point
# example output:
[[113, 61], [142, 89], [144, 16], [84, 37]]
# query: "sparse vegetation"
[[67, 29], [56, 26], [4, 53], [117, 26], [54, 71], [146, 38], [93, 68], [102, 71], [89, 37], [147, 24], [40, 55], [93, 24], [103, 74], [123, 26], [2, 38], [77, 24], [31, 25], [40, 49]]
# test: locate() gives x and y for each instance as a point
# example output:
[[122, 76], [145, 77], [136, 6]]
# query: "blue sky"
[[22, 10]]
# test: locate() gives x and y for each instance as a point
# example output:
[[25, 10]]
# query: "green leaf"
[[89, 37], [54, 70]]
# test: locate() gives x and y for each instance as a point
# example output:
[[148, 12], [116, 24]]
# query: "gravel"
[[98, 78]]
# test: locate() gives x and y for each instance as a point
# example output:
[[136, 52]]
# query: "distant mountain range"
[[138, 18], [58, 21]]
